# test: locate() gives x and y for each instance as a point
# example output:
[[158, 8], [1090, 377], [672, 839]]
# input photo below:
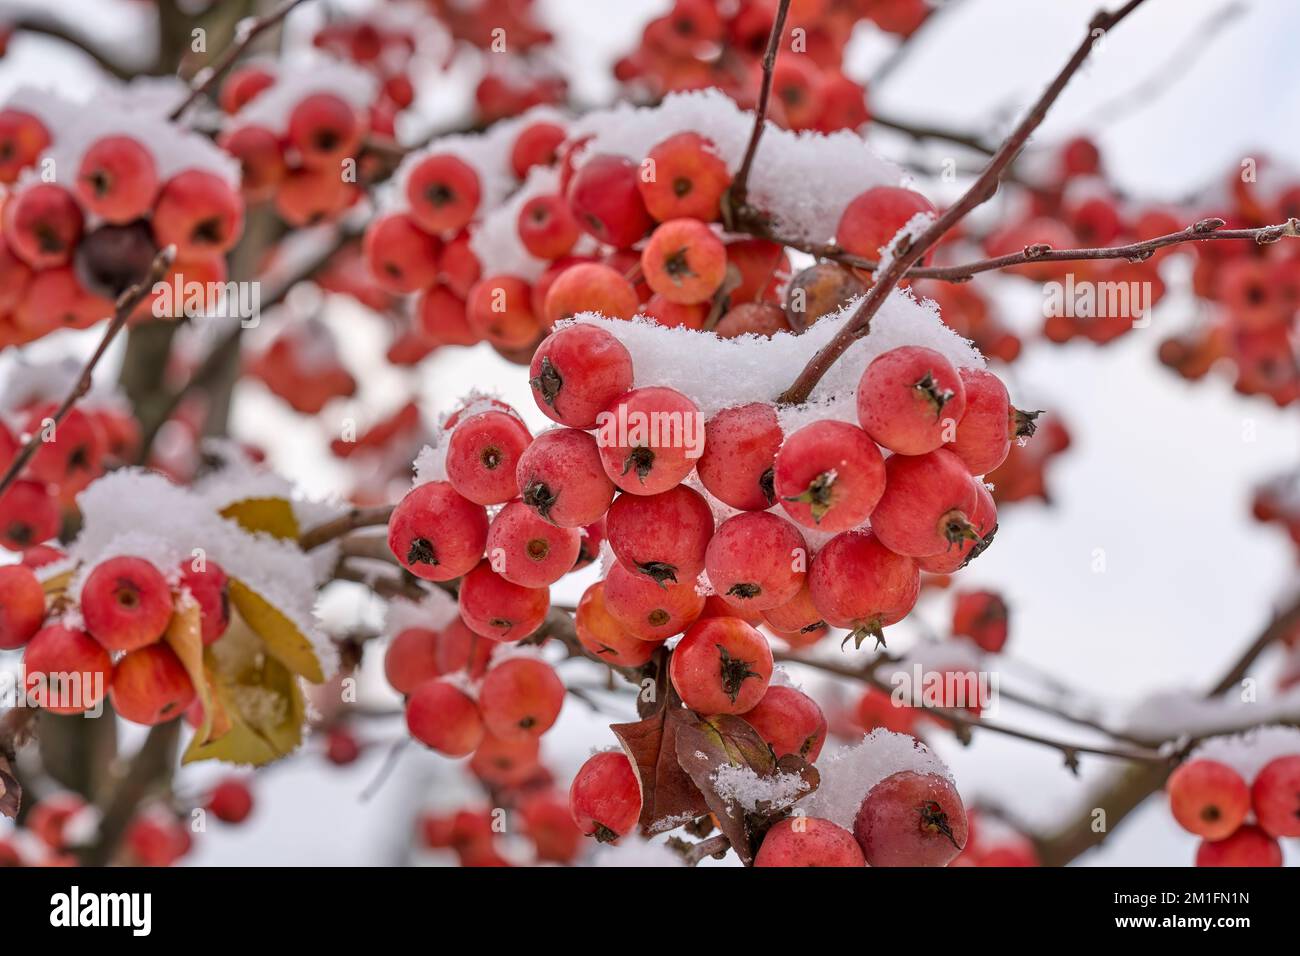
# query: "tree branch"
[[351, 521], [58, 31], [737, 194]]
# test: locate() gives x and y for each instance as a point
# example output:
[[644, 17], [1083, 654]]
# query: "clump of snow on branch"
[[1181, 714], [849, 772], [913, 228], [1248, 753], [138, 513], [139, 110], [754, 793], [802, 206], [433, 612]]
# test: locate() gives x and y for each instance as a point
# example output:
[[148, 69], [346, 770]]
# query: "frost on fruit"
[[849, 772]]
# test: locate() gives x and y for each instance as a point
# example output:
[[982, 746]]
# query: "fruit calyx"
[[537, 495], [734, 672], [817, 496], [934, 820], [658, 571], [548, 381], [932, 393], [640, 458], [1024, 424], [421, 552]]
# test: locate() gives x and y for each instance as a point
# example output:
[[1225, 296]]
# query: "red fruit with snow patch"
[[684, 261], [689, 179], [42, 225], [910, 400], [443, 192], [605, 197], [650, 611], [126, 603], [520, 698], [199, 213], [495, 608], [662, 536], [443, 717], [402, 257], [118, 179], [808, 841], [325, 130], [589, 287], [483, 453], [538, 144], [790, 721], [829, 475], [1208, 798], [859, 584], [210, 587], [756, 561], [151, 686], [721, 666], [560, 477], [605, 796], [577, 372], [436, 533], [872, 219], [650, 439], [527, 550], [927, 505], [911, 819]]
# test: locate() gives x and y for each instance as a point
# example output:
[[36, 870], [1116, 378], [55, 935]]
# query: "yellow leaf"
[[58, 583], [283, 639], [273, 516], [185, 636]]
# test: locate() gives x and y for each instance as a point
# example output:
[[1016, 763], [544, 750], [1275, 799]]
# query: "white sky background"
[[1159, 475]]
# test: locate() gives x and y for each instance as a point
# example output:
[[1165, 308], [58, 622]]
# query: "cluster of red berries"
[[301, 365], [543, 820], [126, 606], [699, 44], [384, 51], [1278, 502], [73, 240], [1239, 822], [298, 163], [91, 438]]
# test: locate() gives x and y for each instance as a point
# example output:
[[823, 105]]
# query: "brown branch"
[[980, 191], [57, 31], [736, 195], [245, 33], [151, 764], [351, 521], [922, 131], [126, 304], [385, 585], [693, 853]]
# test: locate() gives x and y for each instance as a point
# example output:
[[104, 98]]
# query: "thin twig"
[[246, 31], [740, 185], [980, 191], [922, 131], [126, 304], [344, 524], [58, 31]]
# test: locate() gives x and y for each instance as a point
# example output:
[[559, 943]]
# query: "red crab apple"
[[231, 801], [546, 227], [911, 819], [740, 446], [663, 536], [983, 435], [483, 454], [872, 219], [126, 603], [42, 225], [528, 550], [1275, 796], [650, 439], [150, 685], [684, 261], [520, 697], [981, 616], [546, 821], [689, 179], [495, 608], [309, 196], [506, 763], [156, 838], [604, 636], [605, 796], [444, 193], [808, 841], [589, 287], [210, 587], [763, 319], [443, 717], [757, 561], [23, 138], [48, 818], [403, 258], [441, 317], [790, 721], [261, 161], [22, 606], [829, 475], [1246, 846], [66, 670], [672, 315], [118, 179], [576, 372], [927, 505], [650, 611], [799, 614], [411, 659], [242, 85], [985, 522], [763, 266], [537, 145], [1208, 798], [459, 649], [341, 747], [560, 476], [499, 309], [818, 291], [858, 583], [910, 400], [199, 213], [721, 666], [436, 533], [325, 130], [605, 197], [29, 515], [69, 452]]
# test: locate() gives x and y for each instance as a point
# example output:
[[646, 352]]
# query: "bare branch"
[[351, 521], [740, 185]]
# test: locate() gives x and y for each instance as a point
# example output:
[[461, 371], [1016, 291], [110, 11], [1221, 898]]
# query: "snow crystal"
[[431, 462], [632, 850], [1248, 753], [135, 512], [911, 229], [1171, 715], [433, 612], [781, 678], [803, 206], [299, 78], [849, 772], [753, 793], [718, 373]]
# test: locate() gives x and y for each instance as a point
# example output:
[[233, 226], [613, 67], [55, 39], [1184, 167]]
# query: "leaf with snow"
[[668, 795]]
